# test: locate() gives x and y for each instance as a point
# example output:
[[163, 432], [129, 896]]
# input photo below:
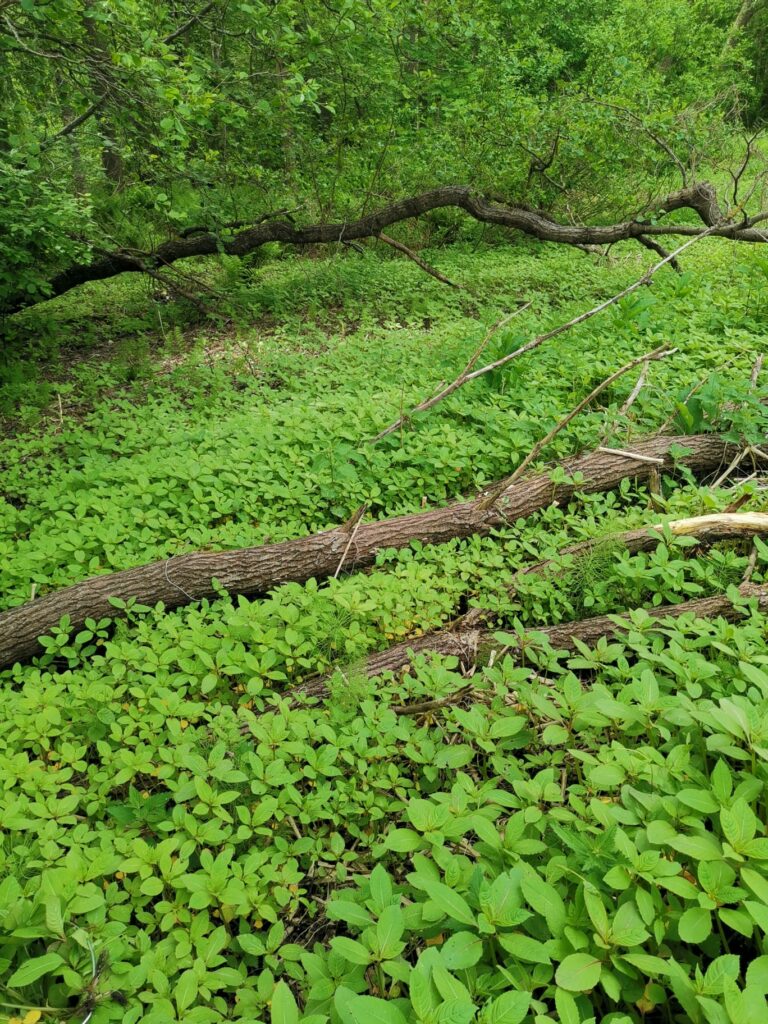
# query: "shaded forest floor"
[[153, 434]]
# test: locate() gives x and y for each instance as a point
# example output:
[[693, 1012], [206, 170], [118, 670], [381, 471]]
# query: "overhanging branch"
[[700, 198]]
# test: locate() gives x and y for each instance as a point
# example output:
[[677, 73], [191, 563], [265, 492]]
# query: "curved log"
[[186, 578], [701, 198]]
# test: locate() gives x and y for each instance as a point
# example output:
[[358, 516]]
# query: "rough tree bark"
[[700, 198], [186, 578]]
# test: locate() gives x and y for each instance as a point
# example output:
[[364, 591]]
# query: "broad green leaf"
[[283, 1008], [757, 974], [695, 925], [647, 963], [701, 800], [389, 929], [579, 972], [757, 882], [627, 928], [545, 900], [508, 1008], [523, 947], [596, 910], [455, 1011], [185, 990], [33, 969], [461, 950], [354, 952], [451, 903], [567, 1010], [381, 887], [722, 970], [403, 840], [449, 986], [351, 913], [369, 1010]]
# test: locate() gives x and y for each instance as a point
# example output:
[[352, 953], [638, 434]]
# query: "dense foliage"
[[551, 837], [581, 838], [123, 123]]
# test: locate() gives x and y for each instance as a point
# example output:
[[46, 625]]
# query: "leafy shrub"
[[39, 229]]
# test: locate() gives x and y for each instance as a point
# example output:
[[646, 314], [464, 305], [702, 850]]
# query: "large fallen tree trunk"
[[471, 640], [185, 578], [476, 646], [700, 198]]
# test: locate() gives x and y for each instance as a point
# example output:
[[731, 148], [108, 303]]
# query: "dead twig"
[[465, 377], [658, 248], [627, 406], [426, 267], [756, 370], [750, 564], [635, 391], [455, 384], [493, 495], [631, 455], [353, 526], [424, 707]]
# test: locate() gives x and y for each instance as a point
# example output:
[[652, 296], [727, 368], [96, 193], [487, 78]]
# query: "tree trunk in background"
[[747, 11], [111, 160]]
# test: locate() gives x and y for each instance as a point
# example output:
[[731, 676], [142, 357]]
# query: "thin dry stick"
[[635, 391], [756, 370], [455, 384], [631, 455], [465, 377], [750, 564], [432, 705], [740, 456], [426, 267], [358, 518], [628, 404], [492, 496], [737, 459]]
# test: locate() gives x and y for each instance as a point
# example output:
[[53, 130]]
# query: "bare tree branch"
[[466, 376], [701, 198], [426, 267]]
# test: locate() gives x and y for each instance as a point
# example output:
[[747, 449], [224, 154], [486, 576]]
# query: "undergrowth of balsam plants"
[[267, 441], [577, 838], [582, 838]]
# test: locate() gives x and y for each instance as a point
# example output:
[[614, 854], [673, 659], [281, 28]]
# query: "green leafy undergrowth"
[[584, 839], [269, 441], [580, 839]]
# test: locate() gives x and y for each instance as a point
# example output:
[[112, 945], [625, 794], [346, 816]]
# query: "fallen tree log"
[[186, 578], [471, 640], [476, 646], [700, 198]]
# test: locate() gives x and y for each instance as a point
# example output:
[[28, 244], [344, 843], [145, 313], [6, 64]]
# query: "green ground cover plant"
[[240, 240], [578, 837]]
